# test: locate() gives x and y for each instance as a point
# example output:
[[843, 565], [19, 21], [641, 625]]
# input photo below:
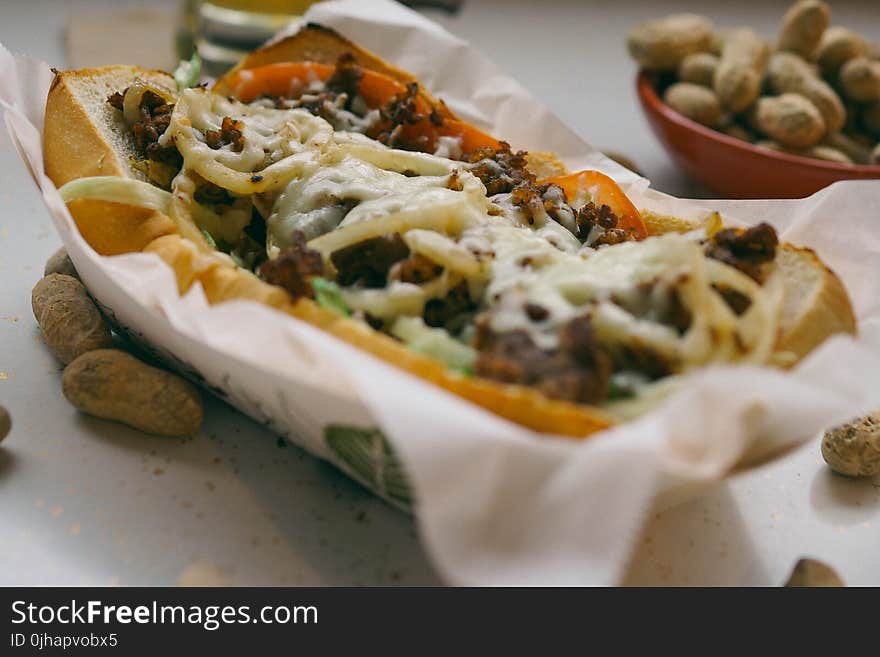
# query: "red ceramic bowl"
[[733, 168]]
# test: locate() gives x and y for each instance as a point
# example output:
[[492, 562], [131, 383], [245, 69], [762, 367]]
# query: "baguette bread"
[[82, 135], [82, 138]]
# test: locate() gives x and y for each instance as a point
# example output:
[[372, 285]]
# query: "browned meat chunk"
[[640, 358], [231, 133], [577, 370], [536, 312], [444, 312], [294, 268], [394, 116], [595, 225], [675, 314], [591, 217], [345, 79], [338, 95], [415, 269], [737, 301], [368, 263], [500, 170], [116, 100], [747, 250], [154, 116]]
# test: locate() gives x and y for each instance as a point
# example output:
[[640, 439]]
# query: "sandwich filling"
[[463, 256]]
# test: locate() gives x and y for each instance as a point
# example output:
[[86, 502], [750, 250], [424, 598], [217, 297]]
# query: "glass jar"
[[224, 31]]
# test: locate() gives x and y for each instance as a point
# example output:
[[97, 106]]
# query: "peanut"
[[737, 78], [853, 449], [60, 263], [695, 102], [860, 79], [871, 119], [5, 423], [717, 43], [111, 384], [660, 45], [838, 46], [827, 153], [771, 145], [818, 152], [854, 150], [698, 68], [803, 26], [788, 73], [790, 119], [813, 573], [70, 321]]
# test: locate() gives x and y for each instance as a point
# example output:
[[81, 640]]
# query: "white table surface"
[[84, 501]]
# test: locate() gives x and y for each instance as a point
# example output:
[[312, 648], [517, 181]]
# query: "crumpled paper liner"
[[496, 503]]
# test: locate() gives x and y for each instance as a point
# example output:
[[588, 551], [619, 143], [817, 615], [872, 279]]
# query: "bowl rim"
[[647, 92]]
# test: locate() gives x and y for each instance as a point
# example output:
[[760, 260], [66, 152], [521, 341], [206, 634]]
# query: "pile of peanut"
[[99, 379], [815, 92]]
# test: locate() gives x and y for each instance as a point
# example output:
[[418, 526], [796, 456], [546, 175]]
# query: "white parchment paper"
[[496, 503]]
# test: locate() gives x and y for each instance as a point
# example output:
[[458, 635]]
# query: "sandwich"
[[322, 181]]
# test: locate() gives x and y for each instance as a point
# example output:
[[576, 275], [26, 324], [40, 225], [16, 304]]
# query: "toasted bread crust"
[[657, 224], [73, 144], [830, 312], [545, 165], [113, 228], [73, 147]]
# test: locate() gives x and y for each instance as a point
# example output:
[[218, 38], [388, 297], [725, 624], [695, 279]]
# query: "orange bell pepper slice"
[[288, 79], [603, 191]]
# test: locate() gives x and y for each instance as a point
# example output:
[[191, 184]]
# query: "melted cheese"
[[444, 251], [341, 188], [278, 144], [318, 203]]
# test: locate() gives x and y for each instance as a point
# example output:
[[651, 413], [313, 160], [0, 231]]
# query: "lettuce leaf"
[[188, 73], [328, 295]]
